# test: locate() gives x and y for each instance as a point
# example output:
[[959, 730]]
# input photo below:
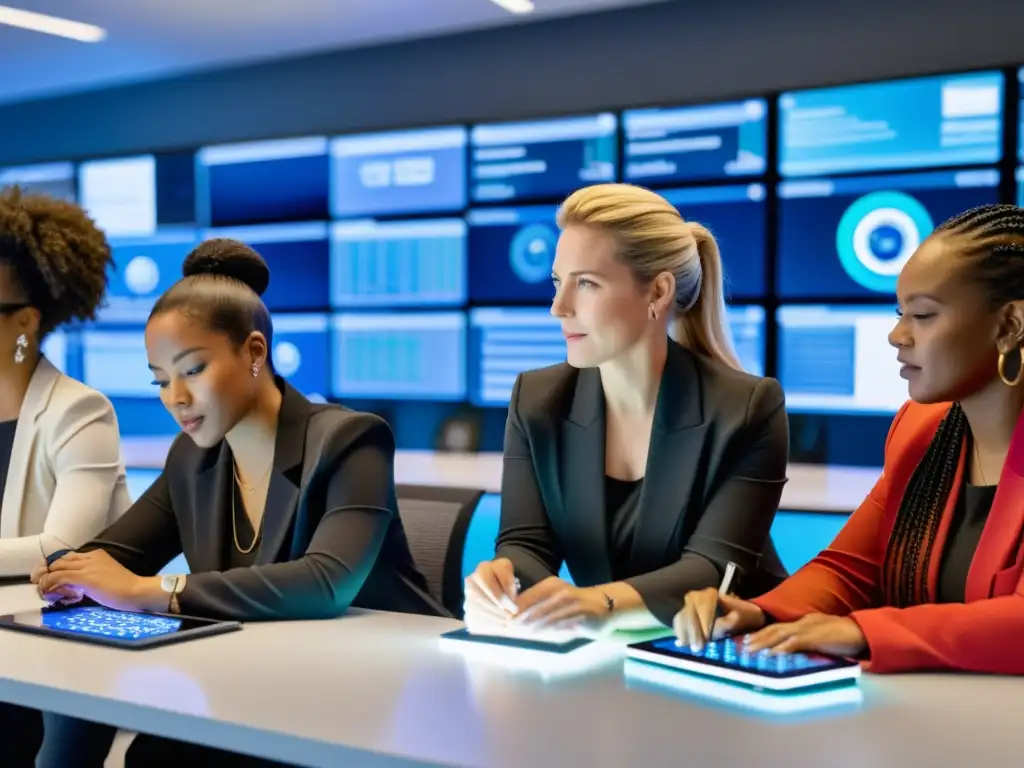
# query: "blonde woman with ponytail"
[[649, 460]]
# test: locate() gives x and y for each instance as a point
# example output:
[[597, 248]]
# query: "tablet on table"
[[107, 626], [727, 659]]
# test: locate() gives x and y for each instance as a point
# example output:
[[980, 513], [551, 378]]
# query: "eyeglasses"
[[10, 307]]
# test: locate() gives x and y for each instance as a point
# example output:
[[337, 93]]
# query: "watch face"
[[167, 583]]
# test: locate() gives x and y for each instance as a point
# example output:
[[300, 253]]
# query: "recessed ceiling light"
[[516, 6], [51, 25]]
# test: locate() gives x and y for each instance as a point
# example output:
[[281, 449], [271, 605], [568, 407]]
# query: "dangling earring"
[[255, 370], [652, 312], [19, 350], [1020, 369]]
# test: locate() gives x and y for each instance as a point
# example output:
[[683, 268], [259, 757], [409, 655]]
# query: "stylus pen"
[[723, 590]]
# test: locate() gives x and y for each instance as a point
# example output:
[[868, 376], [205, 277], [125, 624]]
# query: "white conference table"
[[811, 487], [374, 689]]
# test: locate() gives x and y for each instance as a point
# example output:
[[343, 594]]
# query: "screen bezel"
[[835, 662], [192, 627]]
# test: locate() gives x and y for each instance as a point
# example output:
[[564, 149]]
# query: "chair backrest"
[[436, 521]]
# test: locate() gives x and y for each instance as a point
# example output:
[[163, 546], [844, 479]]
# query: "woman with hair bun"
[[284, 509], [644, 464]]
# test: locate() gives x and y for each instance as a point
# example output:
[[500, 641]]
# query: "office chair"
[[436, 521]]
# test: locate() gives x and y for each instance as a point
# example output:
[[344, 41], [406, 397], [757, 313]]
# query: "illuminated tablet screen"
[[727, 659]]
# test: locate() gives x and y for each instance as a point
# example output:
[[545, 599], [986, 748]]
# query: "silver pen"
[[723, 590]]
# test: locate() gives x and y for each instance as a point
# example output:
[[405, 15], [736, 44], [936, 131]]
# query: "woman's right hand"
[[736, 617], [491, 592]]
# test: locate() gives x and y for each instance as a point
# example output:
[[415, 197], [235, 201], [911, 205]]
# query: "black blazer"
[[331, 538], [716, 466]]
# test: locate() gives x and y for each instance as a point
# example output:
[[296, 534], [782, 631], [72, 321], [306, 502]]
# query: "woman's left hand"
[[816, 632], [553, 604], [99, 576]]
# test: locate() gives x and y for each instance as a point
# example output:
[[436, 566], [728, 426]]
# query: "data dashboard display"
[[747, 325], [115, 362], [144, 267], [53, 179], [850, 237], [1020, 187], [900, 124], [1020, 116], [399, 356], [399, 172], [511, 253], [671, 145], [504, 342], [301, 352], [420, 263], [837, 359], [298, 256], [265, 181], [543, 158], [136, 196], [737, 217]]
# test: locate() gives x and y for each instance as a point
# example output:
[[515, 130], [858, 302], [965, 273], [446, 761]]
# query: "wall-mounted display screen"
[[899, 124], [671, 145], [399, 172], [543, 158]]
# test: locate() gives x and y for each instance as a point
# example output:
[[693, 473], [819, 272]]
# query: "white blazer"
[[66, 480]]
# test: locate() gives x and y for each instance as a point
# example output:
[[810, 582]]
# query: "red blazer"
[[984, 634]]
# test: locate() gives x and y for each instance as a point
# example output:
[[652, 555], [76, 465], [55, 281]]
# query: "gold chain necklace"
[[234, 512], [981, 471]]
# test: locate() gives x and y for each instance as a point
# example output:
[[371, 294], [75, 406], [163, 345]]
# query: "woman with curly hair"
[[60, 467]]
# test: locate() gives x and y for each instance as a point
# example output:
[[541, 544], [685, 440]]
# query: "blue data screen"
[[399, 172], [56, 348], [398, 263], [747, 325], [120, 195], [850, 237], [1020, 187], [301, 353], [1020, 116], [511, 251], [106, 622], [283, 180], [115, 362], [503, 343], [298, 256], [837, 359], [665, 146], [144, 416], [542, 159], [900, 124], [399, 356], [144, 267], [53, 179], [737, 217]]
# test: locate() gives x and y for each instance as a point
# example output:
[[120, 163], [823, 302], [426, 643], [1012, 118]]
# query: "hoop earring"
[[1020, 369], [255, 370], [19, 350]]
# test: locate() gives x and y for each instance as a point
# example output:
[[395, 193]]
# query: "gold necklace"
[[977, 456], [234, 512]]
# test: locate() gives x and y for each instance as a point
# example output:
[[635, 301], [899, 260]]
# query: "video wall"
[[413, 266]]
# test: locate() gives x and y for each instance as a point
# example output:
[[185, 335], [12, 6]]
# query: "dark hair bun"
[[228, 258]]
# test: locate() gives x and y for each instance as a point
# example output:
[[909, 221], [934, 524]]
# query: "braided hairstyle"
[[991, 239], [59, 257]]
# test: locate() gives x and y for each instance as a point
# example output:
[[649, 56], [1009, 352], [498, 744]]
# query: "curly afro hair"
[[58, 255]]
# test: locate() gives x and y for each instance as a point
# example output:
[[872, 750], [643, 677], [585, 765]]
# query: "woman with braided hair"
[[927, 573], [60, 467]]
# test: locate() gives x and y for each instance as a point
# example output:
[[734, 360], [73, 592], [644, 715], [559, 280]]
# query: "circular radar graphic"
[[533, 253], [878, 234], [287, 358], [142, 275]]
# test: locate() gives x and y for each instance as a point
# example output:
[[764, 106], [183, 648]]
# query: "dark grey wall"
[[683, 51]]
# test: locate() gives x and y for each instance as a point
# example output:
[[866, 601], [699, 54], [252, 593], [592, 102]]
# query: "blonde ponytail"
[[701, 323], [653, 238]]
